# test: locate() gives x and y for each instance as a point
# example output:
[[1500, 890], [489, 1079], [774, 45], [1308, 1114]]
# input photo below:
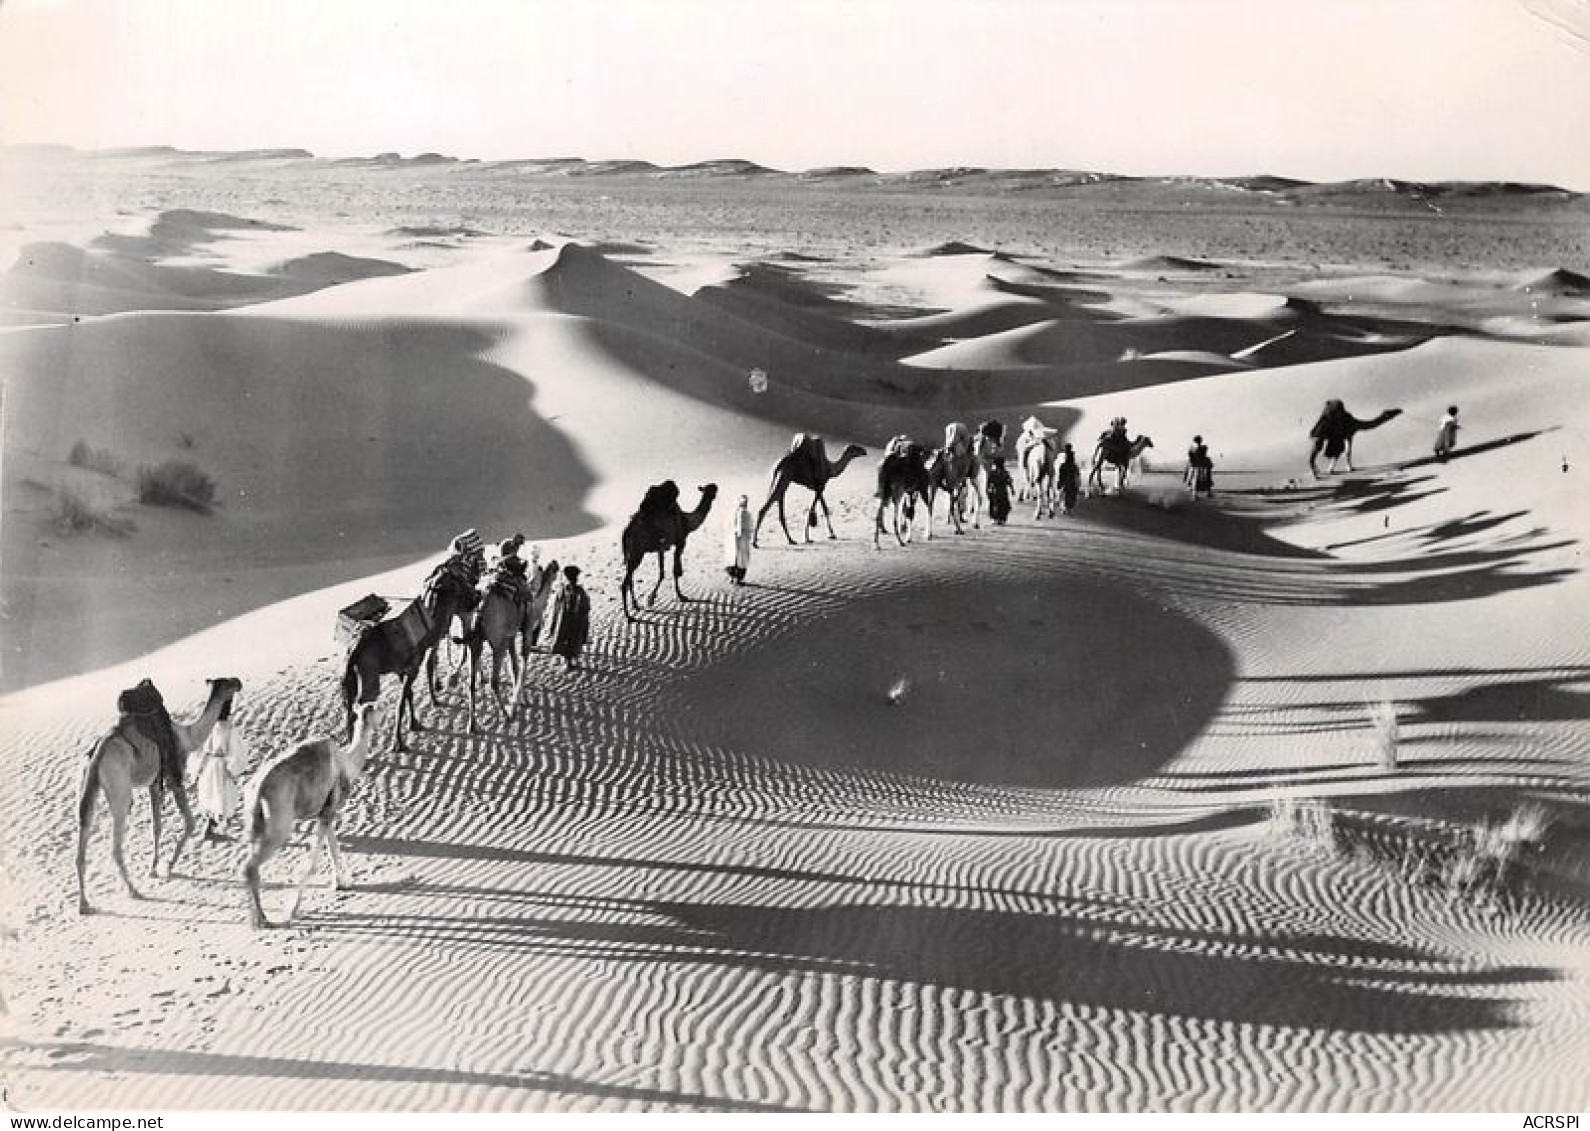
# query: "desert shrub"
[[1490, 860], [1305, 819], [85, 455], [72, 514], [1384, 724], [176, 483]]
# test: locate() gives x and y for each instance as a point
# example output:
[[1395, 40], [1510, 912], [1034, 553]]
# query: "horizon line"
[[439, 157]]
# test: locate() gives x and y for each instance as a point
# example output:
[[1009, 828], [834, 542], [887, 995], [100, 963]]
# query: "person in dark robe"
[[999, 490], [568, 624], [1200, 468], [1069, 476]]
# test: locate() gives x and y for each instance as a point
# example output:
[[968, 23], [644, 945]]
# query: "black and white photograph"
[[817, 556]]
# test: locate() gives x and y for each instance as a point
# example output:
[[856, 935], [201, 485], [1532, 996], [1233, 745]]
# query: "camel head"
[[224, 686], [709, 491], [852, 451]]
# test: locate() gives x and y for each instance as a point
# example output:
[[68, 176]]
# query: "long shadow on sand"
[[81, 1056], [1088, 957]]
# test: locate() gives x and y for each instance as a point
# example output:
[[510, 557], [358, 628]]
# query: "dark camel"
[[905, 475], [807, 465], [1119, 452], [390, 648], [660, 525], [129, 759], [1333, 434], [951, 470]]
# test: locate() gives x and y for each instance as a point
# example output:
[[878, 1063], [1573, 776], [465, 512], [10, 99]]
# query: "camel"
[[128, 759], [403, 645], [310, 782], [949, 468], [808, 465], [904, 476], [1038, 467], [510, 629], [660, 525], [1333, 434], [988, 443], [1120, 452]]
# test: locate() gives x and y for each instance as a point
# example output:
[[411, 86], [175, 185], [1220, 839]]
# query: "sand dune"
[[1085, 813]]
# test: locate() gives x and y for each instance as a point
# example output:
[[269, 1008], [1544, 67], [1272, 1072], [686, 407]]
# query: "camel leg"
[[266, 837], [827, 517], [651, 601], [85, 833], [309, 868], [157, 802], [506, 709], [783, 522], [119, 797], [88, 802], [523, 673], [431, 683], [679, 570], [342, 879], [180, 794], [474, 647], [263, 849], [405, 702], [811, 518]]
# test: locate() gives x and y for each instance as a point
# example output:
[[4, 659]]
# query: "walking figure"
[[1200, 475], [1446, 438]]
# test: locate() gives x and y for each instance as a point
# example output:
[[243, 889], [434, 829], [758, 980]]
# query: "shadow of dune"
[[335, 460], [917, 682], [79, 1056]]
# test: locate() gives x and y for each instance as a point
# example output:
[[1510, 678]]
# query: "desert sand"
[[1099, 812]]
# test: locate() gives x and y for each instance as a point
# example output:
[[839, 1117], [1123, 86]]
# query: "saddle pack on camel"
[[406, 626], [660, 499], [143, 711], [510, 579], [806, 443]]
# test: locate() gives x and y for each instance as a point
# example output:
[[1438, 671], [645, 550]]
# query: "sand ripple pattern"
[[621, 901]]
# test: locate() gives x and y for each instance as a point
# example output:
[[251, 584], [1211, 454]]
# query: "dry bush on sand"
[[72, 514], [85, 455], [176, 483]]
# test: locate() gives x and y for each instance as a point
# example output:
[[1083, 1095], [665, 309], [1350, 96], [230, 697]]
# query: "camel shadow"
[[1072, 953], [1471, 450], [118, 1060]]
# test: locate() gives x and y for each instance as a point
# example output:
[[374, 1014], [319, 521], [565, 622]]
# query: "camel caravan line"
[[503, 609]]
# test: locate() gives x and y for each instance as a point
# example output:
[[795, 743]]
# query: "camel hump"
[[660, 498], [145, 699], [808, 446]]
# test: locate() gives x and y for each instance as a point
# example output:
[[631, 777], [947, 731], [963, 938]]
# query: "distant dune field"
[[1270, 801]]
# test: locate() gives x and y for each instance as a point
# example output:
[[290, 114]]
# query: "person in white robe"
[[221, 764], [737, 541]]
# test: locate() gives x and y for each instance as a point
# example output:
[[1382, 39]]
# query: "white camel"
[[128, 759], [309, 782]]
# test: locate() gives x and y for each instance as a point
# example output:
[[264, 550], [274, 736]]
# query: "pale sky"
[[1319, 89]]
